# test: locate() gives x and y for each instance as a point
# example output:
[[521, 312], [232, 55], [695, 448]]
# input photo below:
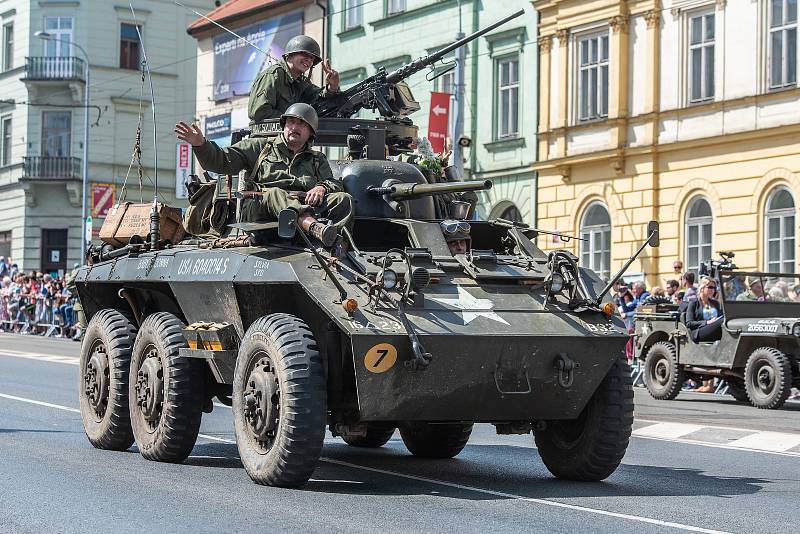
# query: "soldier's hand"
[[331, 76], [315, 195], [190, 134]]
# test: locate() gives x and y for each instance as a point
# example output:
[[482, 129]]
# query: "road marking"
[[768, 441], [504, 495], [40, 403], [667, 430], [53, 358]]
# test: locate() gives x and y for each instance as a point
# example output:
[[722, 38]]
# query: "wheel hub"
[[765, 379], [262, 402], [96, 380], [150, 388], [661, 372]]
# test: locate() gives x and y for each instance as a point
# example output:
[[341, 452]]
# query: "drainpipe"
[[473, 99]]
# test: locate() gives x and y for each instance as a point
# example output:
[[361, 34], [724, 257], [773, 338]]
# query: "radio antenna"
[[155, 227]]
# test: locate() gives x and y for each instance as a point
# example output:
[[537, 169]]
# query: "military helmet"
[[304, 112], [455, 230], [303, 43]]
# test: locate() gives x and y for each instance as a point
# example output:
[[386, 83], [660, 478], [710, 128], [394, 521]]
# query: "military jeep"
[[757, 354]]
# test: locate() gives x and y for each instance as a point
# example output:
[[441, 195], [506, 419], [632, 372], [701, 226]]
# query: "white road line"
[[544, 502], [53, 358], [667, 430], [768, 441]]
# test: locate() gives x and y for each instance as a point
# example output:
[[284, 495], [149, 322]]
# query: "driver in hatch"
[[456, 233], [704, 316]]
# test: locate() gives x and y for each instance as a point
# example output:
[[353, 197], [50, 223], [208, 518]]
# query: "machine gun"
[[387, 92], [405, 191]]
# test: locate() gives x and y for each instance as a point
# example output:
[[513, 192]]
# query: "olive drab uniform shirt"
[[275, 90], [278, 167]]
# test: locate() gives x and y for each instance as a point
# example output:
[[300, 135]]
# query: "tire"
[[663, 375], [279, 401], [103, 382], [737, 389], [166, 391], [591, 447], [435, 440], [378, 434], [768, 378]]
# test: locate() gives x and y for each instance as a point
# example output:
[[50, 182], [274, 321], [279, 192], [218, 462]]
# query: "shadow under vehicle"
[[757, 354], [394, 332]]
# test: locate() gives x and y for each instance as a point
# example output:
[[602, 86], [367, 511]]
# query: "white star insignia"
[[471, 307]]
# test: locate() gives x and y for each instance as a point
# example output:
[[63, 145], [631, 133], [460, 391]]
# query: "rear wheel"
[[435, 440], [737, 389], [279, 401], [591, 447], [103, 388], [166, 391], [662, 374], [377, 435], [768, 378]]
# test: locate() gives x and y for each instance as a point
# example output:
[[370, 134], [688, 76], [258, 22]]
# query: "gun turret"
[[387, 93], [406, 191]]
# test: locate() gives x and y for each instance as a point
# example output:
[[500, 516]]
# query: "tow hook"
[[564, 370]]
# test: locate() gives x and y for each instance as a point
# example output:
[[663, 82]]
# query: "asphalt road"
[[698, 464]]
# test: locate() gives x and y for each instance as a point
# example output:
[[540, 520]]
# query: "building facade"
[[226, 66], [500, 80], [42, 103], [683, 111]]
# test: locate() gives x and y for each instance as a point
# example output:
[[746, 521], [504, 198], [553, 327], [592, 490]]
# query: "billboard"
[[218, 129], [236, 63], [183, 166], [102, 199]]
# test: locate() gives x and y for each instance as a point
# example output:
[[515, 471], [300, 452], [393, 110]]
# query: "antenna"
[[155, 228]]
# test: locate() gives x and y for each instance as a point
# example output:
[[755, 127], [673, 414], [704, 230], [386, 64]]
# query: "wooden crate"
[[127, 220]]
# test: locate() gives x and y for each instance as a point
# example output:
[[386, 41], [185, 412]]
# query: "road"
[[698, 464]]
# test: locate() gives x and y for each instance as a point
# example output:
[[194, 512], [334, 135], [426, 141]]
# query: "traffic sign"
[[88, 230], [102, 199], [438, 120]]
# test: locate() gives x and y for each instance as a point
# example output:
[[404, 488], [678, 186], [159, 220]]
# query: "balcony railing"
[[44, 68], [51, 168]]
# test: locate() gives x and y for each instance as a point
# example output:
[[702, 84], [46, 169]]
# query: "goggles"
[[454, 227]]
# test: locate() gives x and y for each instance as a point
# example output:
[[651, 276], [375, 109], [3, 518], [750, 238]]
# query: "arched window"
[[596, 244], [779, 226], [698, 233], [512, 214]]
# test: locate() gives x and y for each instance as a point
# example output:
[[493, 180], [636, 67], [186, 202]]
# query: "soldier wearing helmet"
[[456, 233], [286, 82], [284, 173]]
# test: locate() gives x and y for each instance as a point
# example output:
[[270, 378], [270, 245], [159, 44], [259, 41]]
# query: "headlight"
[[556, 283], [796, 330], [388, 279], [609, 308]]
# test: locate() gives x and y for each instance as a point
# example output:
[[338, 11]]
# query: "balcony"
[[49, 69], [51, 168]]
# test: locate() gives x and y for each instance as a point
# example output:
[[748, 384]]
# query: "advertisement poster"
[[102, 199], [218, 129], [236, 63], [183, 166]]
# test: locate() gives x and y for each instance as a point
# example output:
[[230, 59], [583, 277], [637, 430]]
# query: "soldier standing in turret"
[[285, 82]]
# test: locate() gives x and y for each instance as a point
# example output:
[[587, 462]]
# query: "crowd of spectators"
[[36, 303]]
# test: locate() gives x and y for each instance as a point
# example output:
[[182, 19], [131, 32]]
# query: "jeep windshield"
[[757, 287]]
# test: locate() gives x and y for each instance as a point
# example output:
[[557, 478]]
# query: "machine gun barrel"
[[411, 191], [418, 64]]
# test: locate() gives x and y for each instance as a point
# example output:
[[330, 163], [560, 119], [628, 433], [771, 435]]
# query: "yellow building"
[[683, 111]]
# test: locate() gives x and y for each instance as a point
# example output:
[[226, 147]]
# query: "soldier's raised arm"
[[229, 160]]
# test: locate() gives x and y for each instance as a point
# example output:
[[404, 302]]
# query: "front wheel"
[[768, 378], [103, 388], [435, 440], [166, 391], [279, 401], [591, 447], [662, 373]]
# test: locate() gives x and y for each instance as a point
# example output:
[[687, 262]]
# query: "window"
[[5, 244], [8, 46], [596, 244], [780, 232], [5, 132], [593, 77], [782, 43], [56, 133], [701, 57], [698, 234], [395, 6], [129, 47], [352, 14], [60, 28], [512, 214], [507, 97]]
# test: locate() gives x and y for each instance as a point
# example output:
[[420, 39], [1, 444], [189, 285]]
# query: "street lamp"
[[85, 163]]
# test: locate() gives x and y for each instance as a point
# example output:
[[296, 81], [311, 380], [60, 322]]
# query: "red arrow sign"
[[438, 120]]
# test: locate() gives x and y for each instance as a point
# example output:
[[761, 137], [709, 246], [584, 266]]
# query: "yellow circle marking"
[[380, 358]]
